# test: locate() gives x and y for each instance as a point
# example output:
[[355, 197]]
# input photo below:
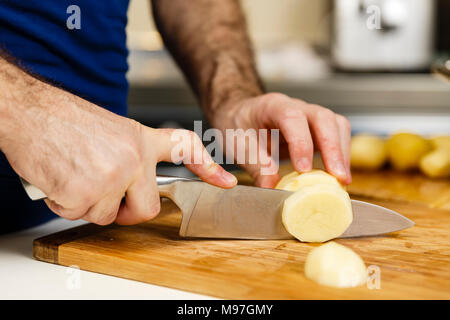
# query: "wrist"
[[231, 82]]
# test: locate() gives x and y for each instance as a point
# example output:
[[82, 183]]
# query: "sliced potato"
[[406, 149], [294, 180], [334, 265], [368, 152], [317, 213], [436, 164]]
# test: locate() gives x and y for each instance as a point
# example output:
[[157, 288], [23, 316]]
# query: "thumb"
[[184, 146]]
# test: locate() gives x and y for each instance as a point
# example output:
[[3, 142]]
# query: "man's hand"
[[303, 127], [209, 41], [92, 164]]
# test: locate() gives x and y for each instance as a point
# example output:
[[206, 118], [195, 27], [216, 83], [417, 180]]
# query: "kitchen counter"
[[22, 277]]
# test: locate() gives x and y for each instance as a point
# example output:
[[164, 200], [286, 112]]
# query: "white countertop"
[[22, 277]]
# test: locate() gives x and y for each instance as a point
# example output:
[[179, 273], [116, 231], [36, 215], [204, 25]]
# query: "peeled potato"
[[294, 181], [436, 164], [317, 213], [439, 142], [334, 265], [406, 149], [368, 152]]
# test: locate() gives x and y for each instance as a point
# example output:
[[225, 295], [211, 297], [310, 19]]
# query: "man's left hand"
[[304, 127]]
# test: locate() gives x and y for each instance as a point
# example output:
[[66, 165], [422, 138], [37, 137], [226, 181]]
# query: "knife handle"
[[164, 185]]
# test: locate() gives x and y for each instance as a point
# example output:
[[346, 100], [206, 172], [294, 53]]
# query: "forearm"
[[16, 90], [22, 100], [209, 41]]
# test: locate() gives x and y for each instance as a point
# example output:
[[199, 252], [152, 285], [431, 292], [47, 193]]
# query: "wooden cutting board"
[[413, 264]]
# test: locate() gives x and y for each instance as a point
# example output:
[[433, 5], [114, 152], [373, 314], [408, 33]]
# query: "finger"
[[327, 137], [141, 200], [104, 212], [264, 172], [250, 150], [295, 129], [345, 135], [185, 146], [67, 213]]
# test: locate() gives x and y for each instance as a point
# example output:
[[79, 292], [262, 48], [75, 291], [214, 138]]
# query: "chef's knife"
[[245, 212]]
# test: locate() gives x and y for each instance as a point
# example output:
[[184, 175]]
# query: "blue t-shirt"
[[78, 45]]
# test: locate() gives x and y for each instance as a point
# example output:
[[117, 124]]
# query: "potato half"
[[334, 265], [317, 213]]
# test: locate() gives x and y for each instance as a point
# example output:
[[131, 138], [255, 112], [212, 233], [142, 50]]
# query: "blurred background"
[[382, 63]]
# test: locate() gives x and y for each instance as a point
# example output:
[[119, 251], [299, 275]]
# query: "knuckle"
[[302, 144], [74, 214], [331, 147], [107, 218], [275, 96], [343, 121], [292, 113], [71, 217], [152, 211], [74, 194], [325, 113]]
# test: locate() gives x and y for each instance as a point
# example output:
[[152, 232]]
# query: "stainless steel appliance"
[[385, 35]]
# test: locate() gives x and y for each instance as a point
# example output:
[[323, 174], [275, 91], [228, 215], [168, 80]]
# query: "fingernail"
[[229, 178], [339, 170], [304, 164]]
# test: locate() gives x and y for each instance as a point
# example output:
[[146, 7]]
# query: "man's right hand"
[[92, 164]]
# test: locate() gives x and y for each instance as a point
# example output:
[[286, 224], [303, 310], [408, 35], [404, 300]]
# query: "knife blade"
[[246, 212]]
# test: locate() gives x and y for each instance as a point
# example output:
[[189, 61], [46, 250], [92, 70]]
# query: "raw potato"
[[436, 164], [406, 149], [368, 152], [439, 142], [334, 265], [294, 181], [317, 213]]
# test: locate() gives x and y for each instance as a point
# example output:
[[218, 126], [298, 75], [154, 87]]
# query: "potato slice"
[[436, 164], [334, 265], [368, 152], [317, 213], [406, 149], [294, 180]]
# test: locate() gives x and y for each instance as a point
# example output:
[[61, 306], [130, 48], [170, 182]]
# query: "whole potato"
[[440, 142], [367, 152], [436, 164], [406, 149]]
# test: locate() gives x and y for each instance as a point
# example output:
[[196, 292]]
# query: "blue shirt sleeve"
[[90, 62]]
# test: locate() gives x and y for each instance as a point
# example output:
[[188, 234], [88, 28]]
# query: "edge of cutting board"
[[46, 248]]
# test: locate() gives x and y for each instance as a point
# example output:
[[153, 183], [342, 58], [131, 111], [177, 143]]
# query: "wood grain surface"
[[413, 263]]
